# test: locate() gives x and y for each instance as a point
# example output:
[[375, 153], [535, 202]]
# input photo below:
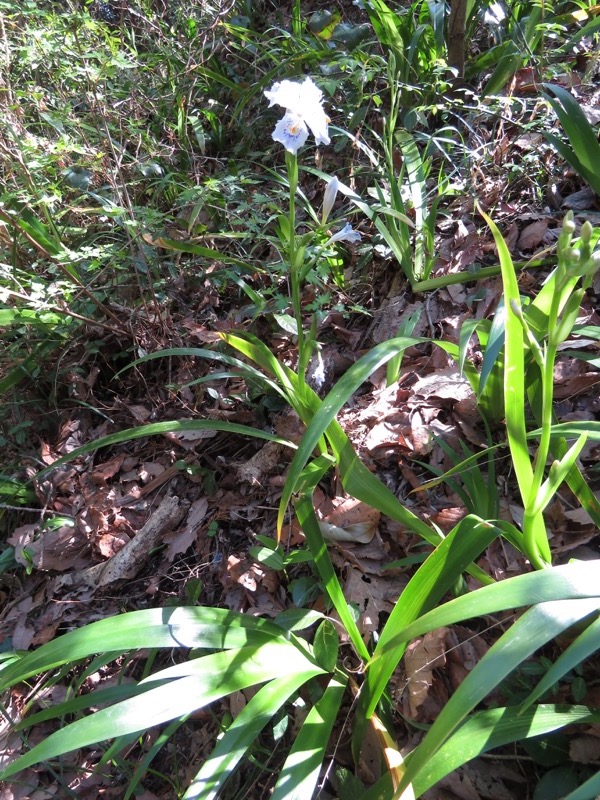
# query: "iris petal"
[[347, 234], [291, 132], [285, 94]]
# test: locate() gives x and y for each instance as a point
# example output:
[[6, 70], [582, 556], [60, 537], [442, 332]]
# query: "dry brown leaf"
[[62, 549], [585, 749], [482, 780], [109, 544], [237, 702], [103, 472], [582, 200], [421, 658], [346, 519], [370, 558], [532, 234], [131, 558], [447, 384], [372, 595], [463, 651], [138, 412], [22, 785]]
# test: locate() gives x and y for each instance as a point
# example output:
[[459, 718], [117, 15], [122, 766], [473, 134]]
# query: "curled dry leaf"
[[345, 519]]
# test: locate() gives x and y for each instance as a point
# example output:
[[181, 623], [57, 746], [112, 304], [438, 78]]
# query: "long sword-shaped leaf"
[[584, 646], [535, 628], [157, 428], [486, 730], [427, 586], [242, 732], [320, 554], [589, 790], [247, 370], [514, 365], [577, 580], [150, 628], [300, 772], [210, 678], [582, 136], [357, 480], [329, 407]]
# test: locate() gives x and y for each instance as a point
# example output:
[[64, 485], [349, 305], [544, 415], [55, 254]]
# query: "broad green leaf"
[[425, 589], [535, 628], [242, 732], [297, 619], [300, 773], [326, 645], [585, 645], [204, 680], [150, 628], [486, 730], [576, 580]]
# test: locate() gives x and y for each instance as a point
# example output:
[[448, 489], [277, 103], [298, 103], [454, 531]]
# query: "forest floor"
[[197, 501]]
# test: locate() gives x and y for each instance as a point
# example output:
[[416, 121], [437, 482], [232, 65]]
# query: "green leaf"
[[514, 366], [318, 548], [156, 428], [326, 645], [198, 250], [427, 586], [150, 628], [199, 682], [588, 790], [242, 732], [556, 783], [585, 153], [485, 730], [581, 648], [535, 628], [270, 558], [300, 773], [330, 406], [578, 579]]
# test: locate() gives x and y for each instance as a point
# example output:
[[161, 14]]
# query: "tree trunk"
[[457, 22]]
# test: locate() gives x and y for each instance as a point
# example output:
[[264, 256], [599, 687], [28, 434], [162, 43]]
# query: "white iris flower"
[[347, 234], [495, 14], [303, 103]]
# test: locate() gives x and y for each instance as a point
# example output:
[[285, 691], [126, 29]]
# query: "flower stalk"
[[303, 104]]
